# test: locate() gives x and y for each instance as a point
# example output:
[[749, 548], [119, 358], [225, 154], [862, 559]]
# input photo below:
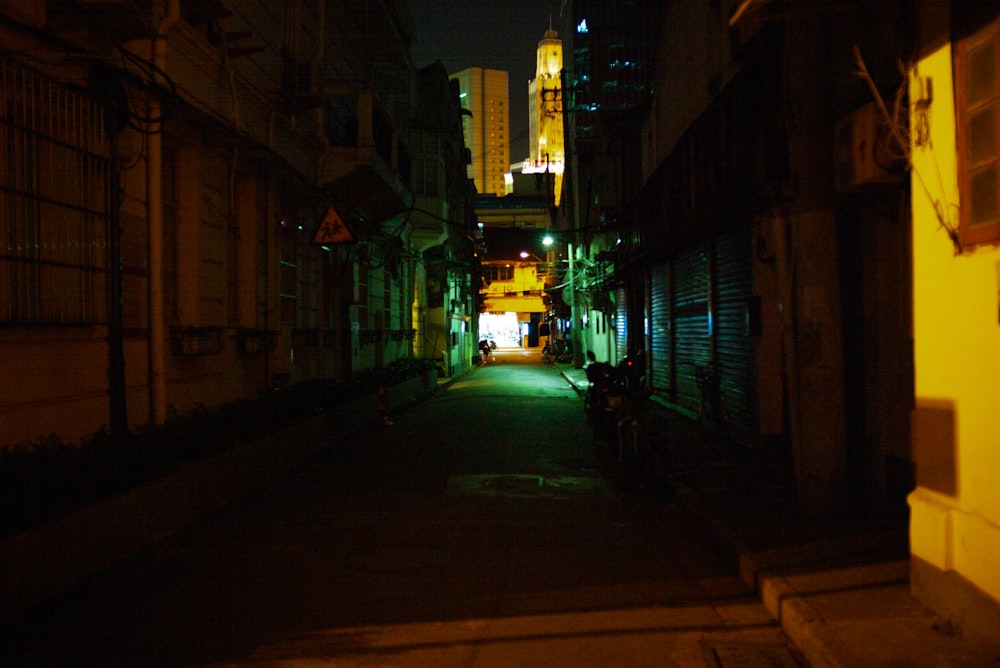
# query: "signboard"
[[332, 230]]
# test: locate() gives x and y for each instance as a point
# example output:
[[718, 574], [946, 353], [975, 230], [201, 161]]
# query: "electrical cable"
[[146, 79]]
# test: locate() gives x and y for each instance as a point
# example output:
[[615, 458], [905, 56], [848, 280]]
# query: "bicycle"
[[557, 351]]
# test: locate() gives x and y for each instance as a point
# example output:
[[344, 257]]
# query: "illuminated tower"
[[485, 95], [545, 119]]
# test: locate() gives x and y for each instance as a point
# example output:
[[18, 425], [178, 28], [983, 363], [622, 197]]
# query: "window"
[[499, 273], [342, 120], [426, 177], [55, 199], [978, 110]]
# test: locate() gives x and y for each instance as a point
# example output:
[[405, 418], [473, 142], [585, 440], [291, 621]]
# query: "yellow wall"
[[955, 520]]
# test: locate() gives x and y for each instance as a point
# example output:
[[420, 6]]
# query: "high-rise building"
[[608, 72], [484, 93], [545, 113]]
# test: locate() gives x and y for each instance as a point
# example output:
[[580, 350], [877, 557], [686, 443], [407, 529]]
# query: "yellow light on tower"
[[545, 113]]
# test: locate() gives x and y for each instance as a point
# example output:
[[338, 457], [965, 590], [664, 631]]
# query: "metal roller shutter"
[[734, 349], [659, 328], [692, 336], [621, 325]]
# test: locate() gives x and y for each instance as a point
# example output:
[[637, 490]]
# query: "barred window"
[[55, 183]]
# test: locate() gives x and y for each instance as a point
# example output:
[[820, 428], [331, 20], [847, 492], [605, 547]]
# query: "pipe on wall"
[[154, 207]]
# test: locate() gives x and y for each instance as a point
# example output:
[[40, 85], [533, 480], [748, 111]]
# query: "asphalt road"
[[477, 530]]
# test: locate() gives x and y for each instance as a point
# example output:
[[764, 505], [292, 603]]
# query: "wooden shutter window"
[[978, 79]]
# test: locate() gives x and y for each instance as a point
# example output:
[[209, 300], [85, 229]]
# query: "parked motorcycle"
[[615, 400]]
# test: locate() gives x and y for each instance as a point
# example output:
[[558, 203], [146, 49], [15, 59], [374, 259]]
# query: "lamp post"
[[548, 241], [576, 326]]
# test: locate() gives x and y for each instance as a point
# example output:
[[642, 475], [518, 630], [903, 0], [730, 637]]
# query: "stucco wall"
[[955, 521]]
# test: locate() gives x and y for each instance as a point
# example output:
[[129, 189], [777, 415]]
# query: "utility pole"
[[117, 413], [572, 163]]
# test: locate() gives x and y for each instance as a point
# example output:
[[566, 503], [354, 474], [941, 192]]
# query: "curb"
[[760, 571], [804, 625]]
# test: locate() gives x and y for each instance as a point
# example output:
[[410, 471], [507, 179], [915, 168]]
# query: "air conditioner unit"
[[866, 152]]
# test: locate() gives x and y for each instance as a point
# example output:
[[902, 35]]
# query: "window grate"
[[55, 185]]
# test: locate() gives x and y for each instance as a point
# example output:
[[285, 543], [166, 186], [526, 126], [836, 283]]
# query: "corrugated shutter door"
[[734, 345], [692, 340], [621, 325], [659, 328]]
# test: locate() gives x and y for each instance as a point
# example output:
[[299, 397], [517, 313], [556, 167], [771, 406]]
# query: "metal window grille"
[[55, 183]]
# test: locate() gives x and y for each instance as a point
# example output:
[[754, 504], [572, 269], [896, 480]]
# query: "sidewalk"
[[37, 565], [841, 590]]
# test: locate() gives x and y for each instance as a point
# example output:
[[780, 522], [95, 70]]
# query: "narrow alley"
[[477, 530]]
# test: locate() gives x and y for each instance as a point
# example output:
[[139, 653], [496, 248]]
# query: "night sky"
[[492, 34]]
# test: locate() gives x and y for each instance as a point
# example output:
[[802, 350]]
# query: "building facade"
[[791, 212], [442, 218], [608, 78], [218, 199], [517, 269], [485, 94]]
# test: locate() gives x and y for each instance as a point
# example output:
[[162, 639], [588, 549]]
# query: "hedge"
[[42, 480]]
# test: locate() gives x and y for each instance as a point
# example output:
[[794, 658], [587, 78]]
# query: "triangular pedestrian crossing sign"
[[332, 230]]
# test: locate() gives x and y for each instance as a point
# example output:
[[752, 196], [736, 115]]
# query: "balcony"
[[359, 169], [429, 222], [520, 302], [196, 341], [257, 341]]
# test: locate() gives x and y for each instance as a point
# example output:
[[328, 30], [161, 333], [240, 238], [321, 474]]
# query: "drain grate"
[[525, 485], [731, 654]]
